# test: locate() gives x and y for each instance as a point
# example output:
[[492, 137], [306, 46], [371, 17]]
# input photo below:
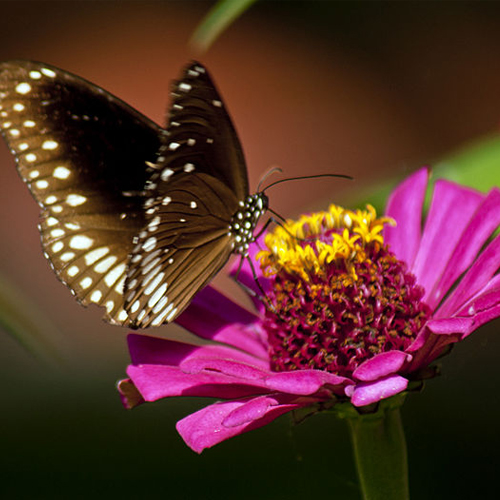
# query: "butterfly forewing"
[[82, 153], [200, 135]]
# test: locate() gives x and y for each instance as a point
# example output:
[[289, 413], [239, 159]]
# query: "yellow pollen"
[[305, 247]]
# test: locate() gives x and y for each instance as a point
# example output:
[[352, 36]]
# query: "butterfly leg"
[[281, 222], [249, 291]]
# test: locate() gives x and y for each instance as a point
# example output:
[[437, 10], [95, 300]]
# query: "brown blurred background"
[[371, 89]]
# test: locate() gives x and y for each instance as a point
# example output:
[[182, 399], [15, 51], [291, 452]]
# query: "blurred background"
[[370, 89]]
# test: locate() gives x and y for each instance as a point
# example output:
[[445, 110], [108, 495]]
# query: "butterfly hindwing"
[[185, 243], [82, 153]]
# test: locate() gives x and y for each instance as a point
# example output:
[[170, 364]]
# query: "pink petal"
[[476, 278], [484, 222], [450, 326], [484, 299], [405, 206], [157, 381], [205, 428], [304, 382], [226, 366], [367, 393], [157, 351], [253, 410], [452, 207], [483, 308], [380, 365], [213, 316], [421, 339], [484, 317]]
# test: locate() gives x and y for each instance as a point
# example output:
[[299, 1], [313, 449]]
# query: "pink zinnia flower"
[[358, 308]]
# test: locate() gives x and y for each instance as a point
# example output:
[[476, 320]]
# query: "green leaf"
[[216, 21], [476, 165]]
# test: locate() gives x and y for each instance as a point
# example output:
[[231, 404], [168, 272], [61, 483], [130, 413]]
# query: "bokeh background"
[[372, 89]]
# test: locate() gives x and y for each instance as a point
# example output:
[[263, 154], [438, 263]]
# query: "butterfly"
[[135, 218]]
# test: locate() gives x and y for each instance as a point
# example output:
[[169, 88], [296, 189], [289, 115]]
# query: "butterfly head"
[[245, 220]]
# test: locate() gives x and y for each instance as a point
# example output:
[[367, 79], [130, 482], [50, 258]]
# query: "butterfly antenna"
[[304, 177], [270, 172], [282, 219]]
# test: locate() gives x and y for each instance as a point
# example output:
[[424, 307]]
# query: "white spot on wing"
[[58, 246], [106, 264], [157, 295], [113, 275], [61, 172], [75, 200], [149, 244], [122, 316], [73, 271], [120, 285], [154, 284], [166, 174], [147, 268], [160, 305], [172, 314], [95, 255], [80, 242], [86, 282], [23, 88], [48, 72], [67, 256], [50, 145]]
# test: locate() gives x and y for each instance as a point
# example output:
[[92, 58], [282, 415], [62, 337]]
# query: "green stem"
[[380, 452]]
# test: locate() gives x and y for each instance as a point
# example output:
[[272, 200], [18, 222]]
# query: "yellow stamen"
[[306, 246]]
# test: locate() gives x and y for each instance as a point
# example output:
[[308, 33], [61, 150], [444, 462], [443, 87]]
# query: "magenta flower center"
[[335, 312]]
